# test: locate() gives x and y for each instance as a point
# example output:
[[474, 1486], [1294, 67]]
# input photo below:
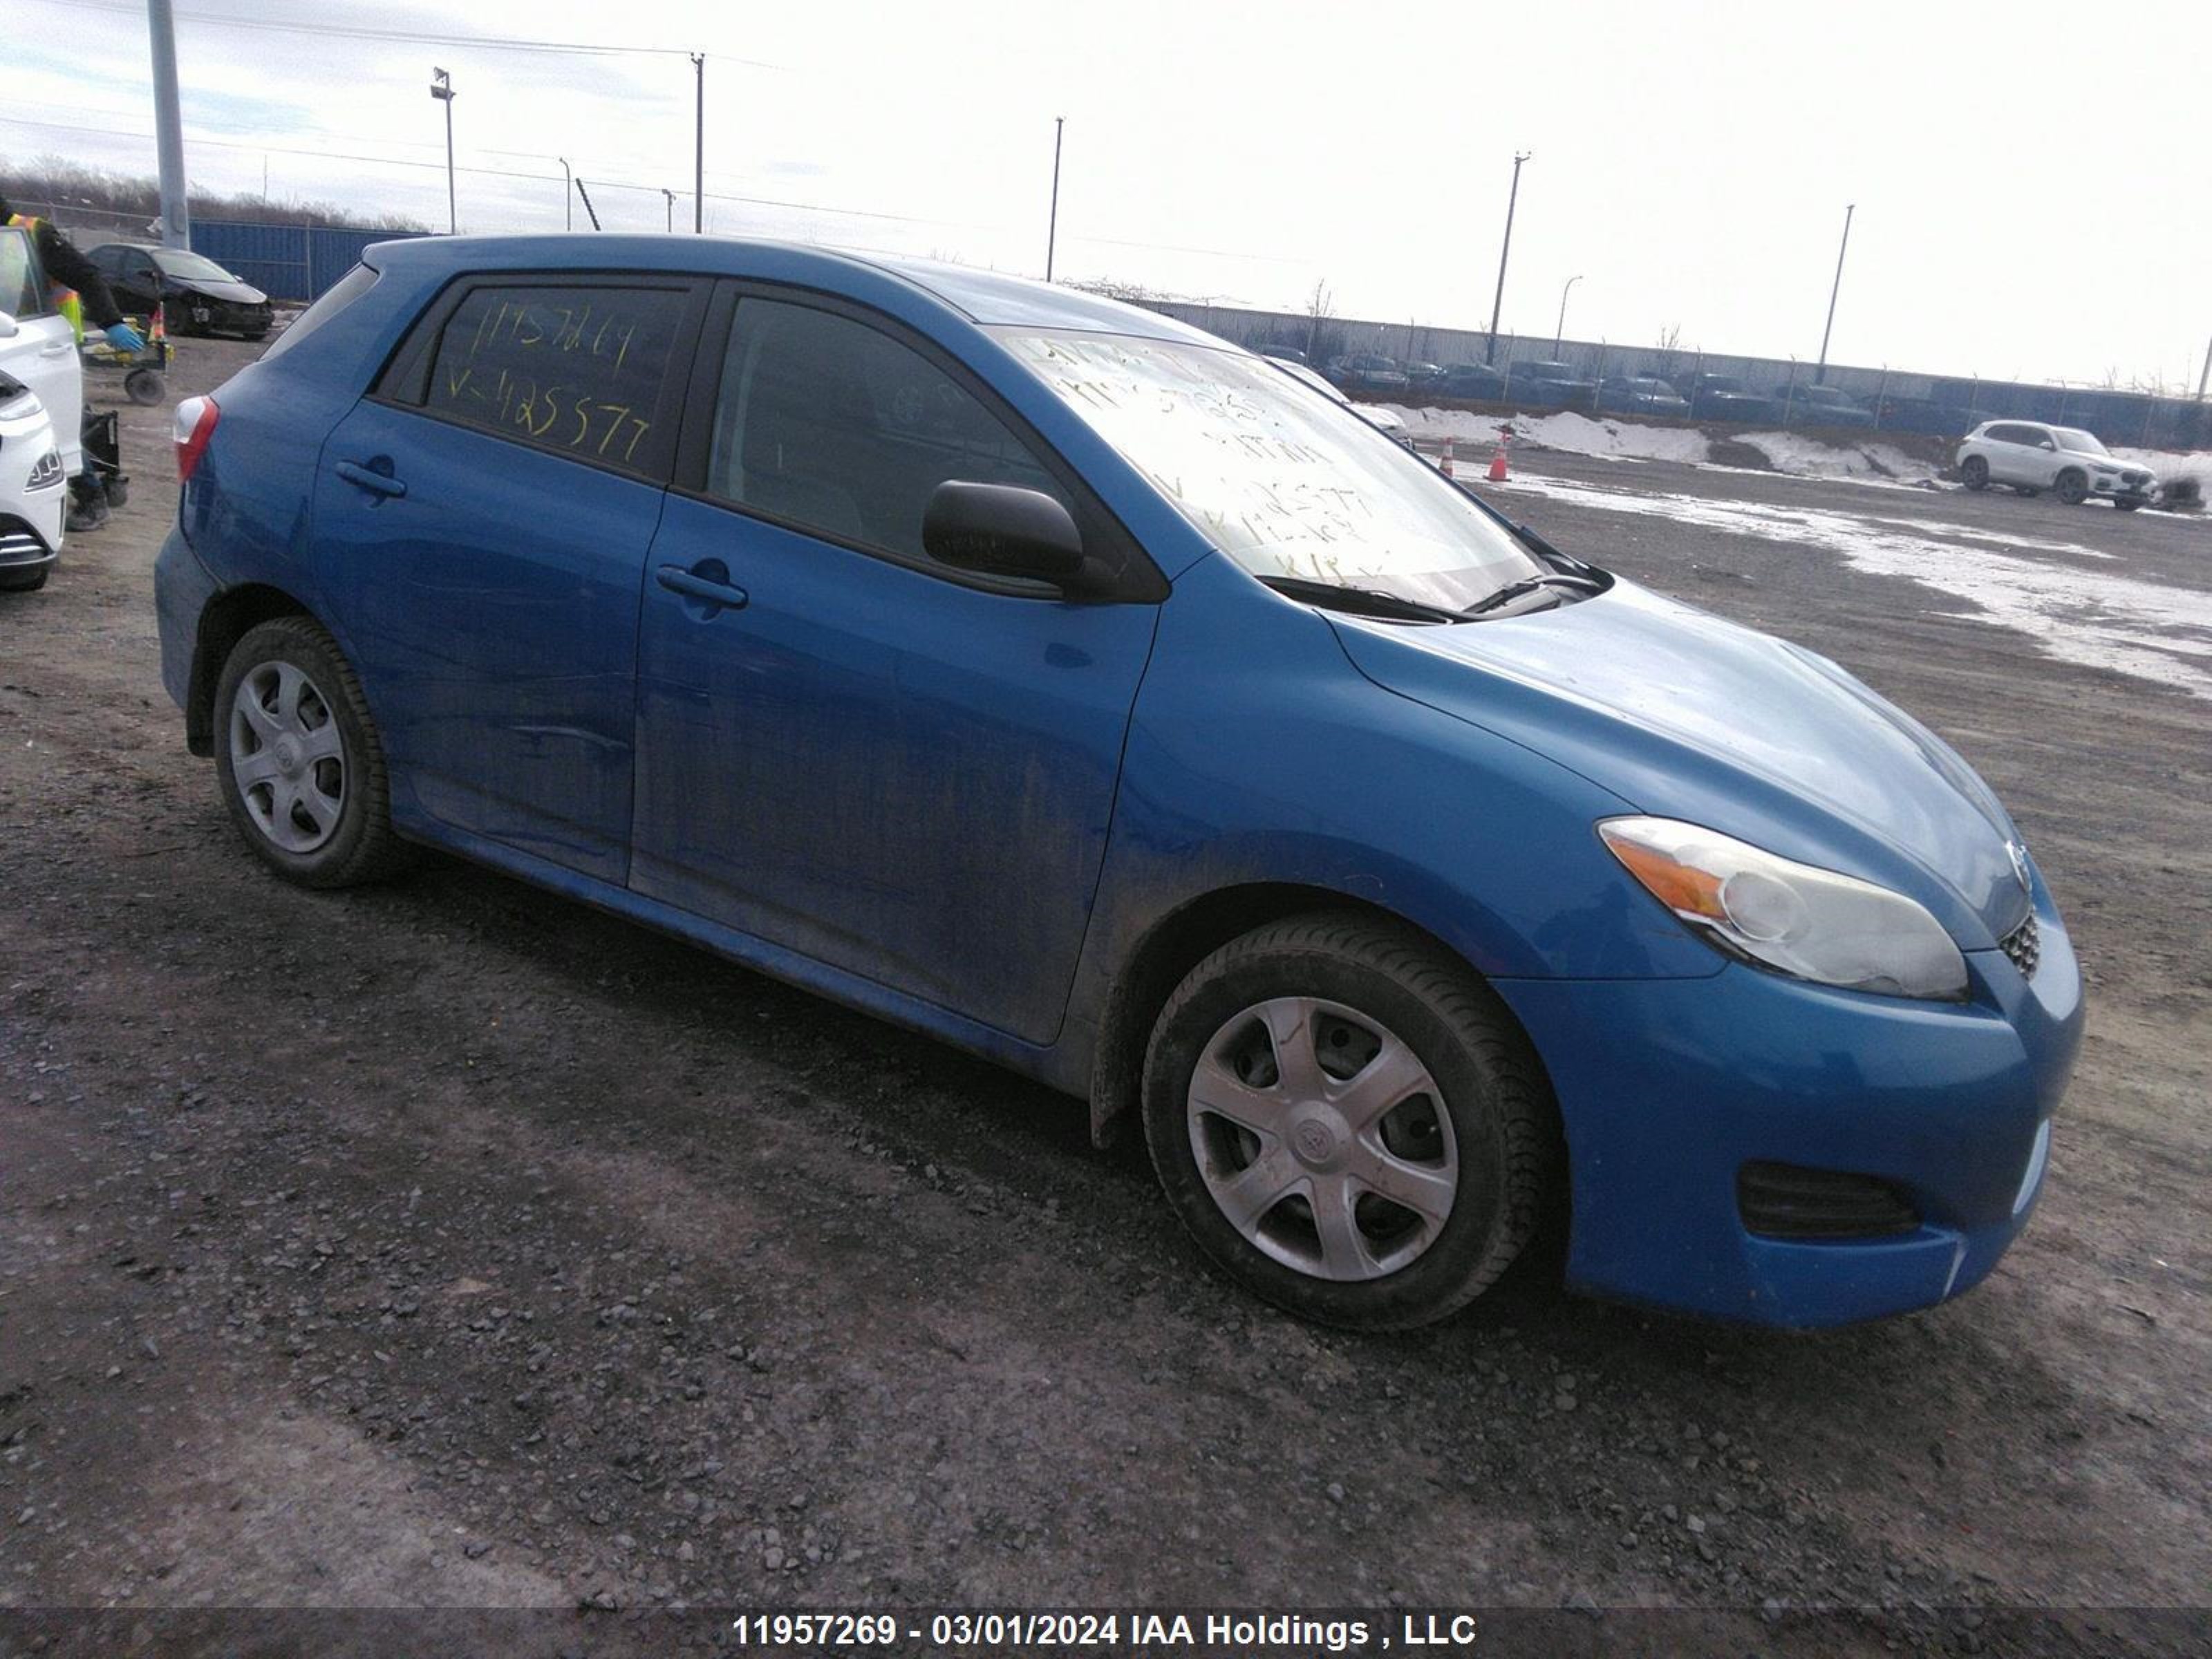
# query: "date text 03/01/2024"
[[1244, 1631]]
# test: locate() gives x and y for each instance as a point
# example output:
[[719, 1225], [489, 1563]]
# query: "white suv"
[[2070, 463], [33, 501]]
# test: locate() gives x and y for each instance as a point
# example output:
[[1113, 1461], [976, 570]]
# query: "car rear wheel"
[[1348, 1121], [2072, 486], [1974, 472], [298, 759]]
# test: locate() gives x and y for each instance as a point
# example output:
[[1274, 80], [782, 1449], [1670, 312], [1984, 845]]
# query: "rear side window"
[[579, 371], [831, 425], [336, 298]]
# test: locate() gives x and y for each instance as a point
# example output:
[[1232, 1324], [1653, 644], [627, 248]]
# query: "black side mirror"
[[1002, 530]]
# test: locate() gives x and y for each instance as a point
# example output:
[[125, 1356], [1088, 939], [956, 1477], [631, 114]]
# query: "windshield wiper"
[[1372, 601], [1513, 591]]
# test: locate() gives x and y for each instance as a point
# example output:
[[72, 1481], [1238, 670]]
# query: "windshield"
[[196, 267], [2081, 442], [1279, 478]]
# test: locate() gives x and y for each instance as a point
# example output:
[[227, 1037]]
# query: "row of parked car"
[[1547, 383]]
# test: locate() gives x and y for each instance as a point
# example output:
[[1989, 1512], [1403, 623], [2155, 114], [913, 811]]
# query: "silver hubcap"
[[1323, 1139], [287, 757]]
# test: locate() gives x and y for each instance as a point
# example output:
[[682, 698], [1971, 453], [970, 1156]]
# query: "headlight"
[[45, 471], [1808, 923]]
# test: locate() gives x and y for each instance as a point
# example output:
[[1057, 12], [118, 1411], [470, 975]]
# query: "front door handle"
[[59, 349], [707, 582], [375, 483]]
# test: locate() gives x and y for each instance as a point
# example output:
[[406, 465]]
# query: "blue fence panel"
[[286, 262], [273, 258]]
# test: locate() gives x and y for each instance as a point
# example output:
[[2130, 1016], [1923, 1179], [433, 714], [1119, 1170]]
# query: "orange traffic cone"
[[1498, 461], [1447, 463]]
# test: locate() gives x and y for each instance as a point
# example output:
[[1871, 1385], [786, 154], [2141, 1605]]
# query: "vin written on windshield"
[[1279, 478]]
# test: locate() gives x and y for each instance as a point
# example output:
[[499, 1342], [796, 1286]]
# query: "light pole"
[[441, 89], [2205, 379], [567, 194], [1052, 225], [169, 127], [671, 195], [1560, 332], [1821, 372], [1498, 305], [699, 146]]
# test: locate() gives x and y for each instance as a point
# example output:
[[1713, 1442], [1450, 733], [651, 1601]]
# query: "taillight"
[[196, 419]]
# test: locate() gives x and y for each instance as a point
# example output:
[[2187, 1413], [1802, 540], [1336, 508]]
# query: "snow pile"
[[1569, 434], [1808, 458]]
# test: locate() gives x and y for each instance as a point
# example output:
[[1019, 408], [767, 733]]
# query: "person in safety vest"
[[79, 292]]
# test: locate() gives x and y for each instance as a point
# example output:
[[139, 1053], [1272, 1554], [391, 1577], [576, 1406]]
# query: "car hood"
[[236, 293], [1689, 716]]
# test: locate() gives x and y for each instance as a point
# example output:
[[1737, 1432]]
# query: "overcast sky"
[[2031, 180]]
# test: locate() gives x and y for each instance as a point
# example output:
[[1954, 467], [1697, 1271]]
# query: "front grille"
[[1788, 1200], [2024, 945]]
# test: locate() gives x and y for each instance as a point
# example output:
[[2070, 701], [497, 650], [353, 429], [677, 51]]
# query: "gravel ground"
[[447, 1246]]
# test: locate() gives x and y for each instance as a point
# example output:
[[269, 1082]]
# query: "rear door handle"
[[708, 582], [375, 483]]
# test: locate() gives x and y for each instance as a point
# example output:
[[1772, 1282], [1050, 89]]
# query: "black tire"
[[363, 845], [116, 486], [2072, 486], [1974, 472], [2127, 503], [145, 387], [1493, 1091], [30, 584]]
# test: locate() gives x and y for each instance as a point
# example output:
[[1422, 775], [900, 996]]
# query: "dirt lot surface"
[[446, 1245]]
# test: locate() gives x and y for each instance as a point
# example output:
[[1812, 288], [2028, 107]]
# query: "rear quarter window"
[[336, 298]]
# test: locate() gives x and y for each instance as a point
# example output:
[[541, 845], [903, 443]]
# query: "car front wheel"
[[1348, 1121], [2072, 488], [298, 759], [1975, 472]]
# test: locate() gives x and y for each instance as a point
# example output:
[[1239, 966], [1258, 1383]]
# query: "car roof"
[[985, 297]]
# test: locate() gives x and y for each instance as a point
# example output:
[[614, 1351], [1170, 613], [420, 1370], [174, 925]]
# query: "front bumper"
[[1668, 1088]]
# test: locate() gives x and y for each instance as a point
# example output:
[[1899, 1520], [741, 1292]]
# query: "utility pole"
[[441, 89], [1498, 305], [1559, 333], [699, 147], [590, 212], [1821, 372], [1052, 225], [169, 127], [2205, 379], [671, 195], [567, 194]]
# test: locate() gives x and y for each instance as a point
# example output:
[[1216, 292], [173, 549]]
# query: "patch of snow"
[[2152, 631], [1808, 458], [1569, 433]]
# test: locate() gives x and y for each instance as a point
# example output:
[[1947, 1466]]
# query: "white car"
[[2031, 456], [37, 344], [34, 493]]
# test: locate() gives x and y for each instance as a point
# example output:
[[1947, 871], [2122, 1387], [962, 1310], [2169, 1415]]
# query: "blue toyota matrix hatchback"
[[1059, 680]]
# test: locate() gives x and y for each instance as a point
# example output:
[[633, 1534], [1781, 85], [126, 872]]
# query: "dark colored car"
[[1282, 353], [1053, 678], [1368, 372], [1640, 394], [1424, 375], [1551, 384], [197, 295], [1821, 406], [1725, 397], [1476, 381]]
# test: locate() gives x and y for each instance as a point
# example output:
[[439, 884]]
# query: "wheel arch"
[[1164, 957], [224, 621]]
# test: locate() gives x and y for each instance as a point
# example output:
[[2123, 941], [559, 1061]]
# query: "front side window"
[[831, 425], [577, 371], [1281, 480], [2081, 442]]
